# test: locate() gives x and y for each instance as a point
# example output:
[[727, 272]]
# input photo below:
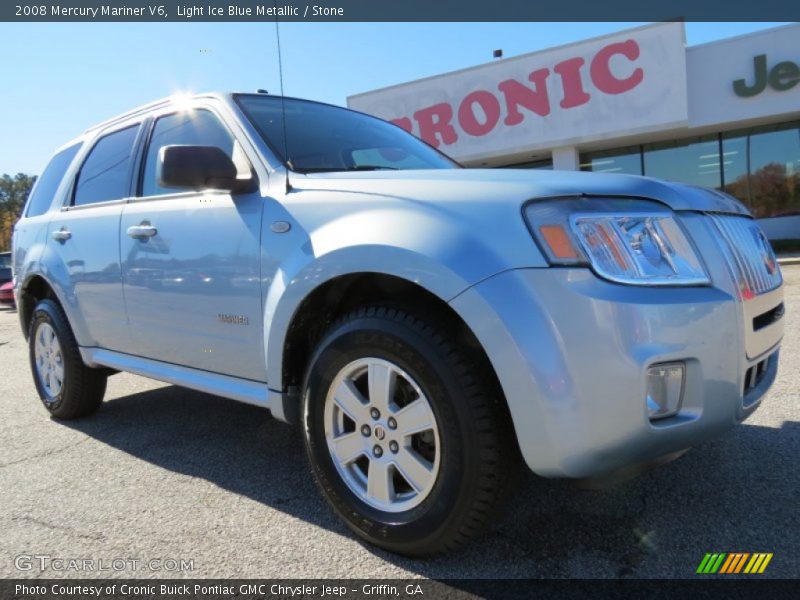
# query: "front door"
[[190, 262]]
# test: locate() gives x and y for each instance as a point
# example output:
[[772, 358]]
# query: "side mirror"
[[201, 168]]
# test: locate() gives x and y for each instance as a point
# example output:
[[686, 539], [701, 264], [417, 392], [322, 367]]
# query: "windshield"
[[328, 138]]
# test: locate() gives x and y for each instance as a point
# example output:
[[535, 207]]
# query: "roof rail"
[[127, 115], [147, 107]]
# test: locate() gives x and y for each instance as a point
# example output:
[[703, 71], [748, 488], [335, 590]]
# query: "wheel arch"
[[35, 289], [334, 298], [43, 275]]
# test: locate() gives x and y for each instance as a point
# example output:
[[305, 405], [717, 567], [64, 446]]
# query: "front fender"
[[289, 289], [335, 233]]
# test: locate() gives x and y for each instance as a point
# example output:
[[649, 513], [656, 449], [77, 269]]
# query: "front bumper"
[[571, 352]]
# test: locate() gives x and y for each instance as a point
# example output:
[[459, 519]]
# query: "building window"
[[620, 160], [775, 172], [734, 167], [767, 177], [546, 164], [759, 166], [694, 161]]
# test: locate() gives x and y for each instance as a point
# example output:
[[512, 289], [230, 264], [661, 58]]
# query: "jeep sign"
[[631, 82], [783, 76]]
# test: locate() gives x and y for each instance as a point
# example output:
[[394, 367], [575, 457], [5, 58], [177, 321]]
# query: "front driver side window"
[[105, 174], [189, 128]]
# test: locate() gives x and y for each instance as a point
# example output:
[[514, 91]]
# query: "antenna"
[[283, 103]]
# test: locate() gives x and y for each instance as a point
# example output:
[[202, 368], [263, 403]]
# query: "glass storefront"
[[620, 160], [770, 183], [760, 166], [536, 164], [694, 161]]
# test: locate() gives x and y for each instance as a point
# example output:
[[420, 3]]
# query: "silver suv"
[[426, 324]]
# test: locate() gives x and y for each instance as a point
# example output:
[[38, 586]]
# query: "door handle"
[[142, 231], [62, 235]]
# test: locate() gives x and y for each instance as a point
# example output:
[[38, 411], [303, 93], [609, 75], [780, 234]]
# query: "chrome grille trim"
[[748, 254]]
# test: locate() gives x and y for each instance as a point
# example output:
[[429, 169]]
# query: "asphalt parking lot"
[[163, 473]]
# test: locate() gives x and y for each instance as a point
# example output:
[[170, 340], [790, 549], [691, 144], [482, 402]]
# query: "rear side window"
[[105, 172], [191, 128], [42, 194]]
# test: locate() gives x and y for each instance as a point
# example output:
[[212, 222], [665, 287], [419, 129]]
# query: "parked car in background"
[[427, 324], [5, 267], [7, 294]]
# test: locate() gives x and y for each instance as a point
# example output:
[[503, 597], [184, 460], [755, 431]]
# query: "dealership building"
[[725, 114]]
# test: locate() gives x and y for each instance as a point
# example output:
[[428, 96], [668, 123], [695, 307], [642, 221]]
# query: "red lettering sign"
[[405, 123], [517, 94], [435, 120], [571, 83], [466, 113], [604, 79], [480, 111]]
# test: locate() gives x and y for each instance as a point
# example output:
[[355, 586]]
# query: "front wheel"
[[406, 441]]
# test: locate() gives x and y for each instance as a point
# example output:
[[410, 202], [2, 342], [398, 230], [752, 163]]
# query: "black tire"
[[478, 448], [82, 388]]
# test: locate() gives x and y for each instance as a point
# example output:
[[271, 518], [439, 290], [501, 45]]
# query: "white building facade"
[[724, 114]]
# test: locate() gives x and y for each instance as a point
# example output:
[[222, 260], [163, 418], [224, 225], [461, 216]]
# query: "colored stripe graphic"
[[711, 563], [749, 568], [740, 564], [703, 563], [717, 563], [734, 562], [729, 562], [758, 563], [765, 563]]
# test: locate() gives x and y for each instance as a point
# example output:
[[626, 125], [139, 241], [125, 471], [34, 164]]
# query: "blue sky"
[[61, 78]]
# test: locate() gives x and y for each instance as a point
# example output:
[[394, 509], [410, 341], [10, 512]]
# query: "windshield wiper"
[[345, 169], [371, 168]]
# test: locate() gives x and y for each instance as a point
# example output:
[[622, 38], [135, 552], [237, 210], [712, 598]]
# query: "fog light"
[[664, 390]]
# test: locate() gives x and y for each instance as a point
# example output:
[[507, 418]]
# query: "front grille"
[[749, 255]]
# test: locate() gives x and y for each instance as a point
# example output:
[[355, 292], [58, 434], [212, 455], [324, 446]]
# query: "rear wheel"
[[407, 442], [67, 387]]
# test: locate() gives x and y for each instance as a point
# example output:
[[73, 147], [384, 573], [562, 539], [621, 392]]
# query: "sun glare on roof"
[[181, 100]]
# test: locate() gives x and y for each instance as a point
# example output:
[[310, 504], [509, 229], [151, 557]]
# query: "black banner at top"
[[397, 10]]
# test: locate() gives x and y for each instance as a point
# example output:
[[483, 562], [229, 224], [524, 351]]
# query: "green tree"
[[13, 193]]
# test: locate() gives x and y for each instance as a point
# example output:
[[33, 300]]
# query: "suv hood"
[[517, 186]]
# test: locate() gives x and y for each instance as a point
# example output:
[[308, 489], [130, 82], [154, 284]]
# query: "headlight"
[[627, 241]]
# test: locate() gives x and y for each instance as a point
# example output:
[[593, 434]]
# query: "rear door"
[[191, 261], [84, 235]]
